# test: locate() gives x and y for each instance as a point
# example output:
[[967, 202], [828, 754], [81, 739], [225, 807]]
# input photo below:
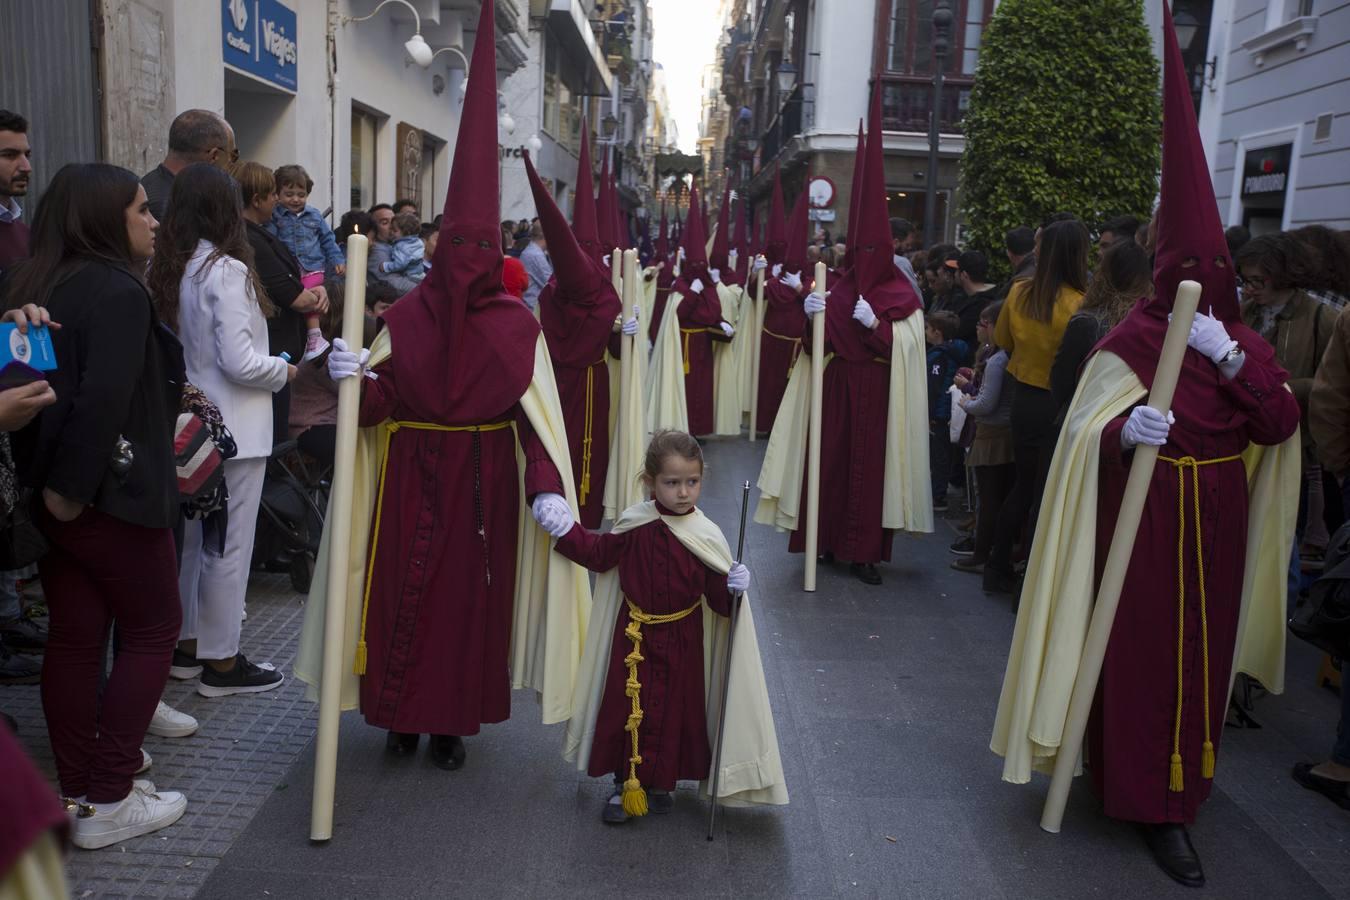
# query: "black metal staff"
[[726, 672]]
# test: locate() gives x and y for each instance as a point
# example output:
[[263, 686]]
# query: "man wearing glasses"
[[197, 135]]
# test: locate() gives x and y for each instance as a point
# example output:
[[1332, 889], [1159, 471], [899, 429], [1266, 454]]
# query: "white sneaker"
[[140, 813], [146, 762], [315, 346], [169, 722]]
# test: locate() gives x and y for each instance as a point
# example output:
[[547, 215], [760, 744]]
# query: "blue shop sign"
[[258, 38]]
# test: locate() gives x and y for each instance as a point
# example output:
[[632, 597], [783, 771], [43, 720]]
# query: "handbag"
[[21, 542], [201, 444]]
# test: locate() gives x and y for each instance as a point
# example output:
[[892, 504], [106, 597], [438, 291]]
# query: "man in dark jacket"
[[196, 135], [15, 169]]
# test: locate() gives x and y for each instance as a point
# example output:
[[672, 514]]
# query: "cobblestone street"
[[883, 697]]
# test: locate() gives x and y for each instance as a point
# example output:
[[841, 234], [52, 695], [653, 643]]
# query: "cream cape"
[[908, 501], [630, 435], [552, 597], [667, 406], [647, 294], [729, 359], [38, 874], [752, 772], [1059, 590]]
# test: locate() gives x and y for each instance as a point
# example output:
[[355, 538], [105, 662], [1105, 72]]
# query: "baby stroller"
[[291, 514]]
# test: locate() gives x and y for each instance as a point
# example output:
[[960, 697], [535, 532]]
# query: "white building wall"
[[842, 33]]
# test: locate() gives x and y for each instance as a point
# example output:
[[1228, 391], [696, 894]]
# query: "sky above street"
[[685, 34]]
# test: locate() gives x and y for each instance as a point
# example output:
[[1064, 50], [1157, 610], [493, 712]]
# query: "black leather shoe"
[[1173, 852], [447, 751], [865, 572], [999, 581], [400, 744], [826, 558]]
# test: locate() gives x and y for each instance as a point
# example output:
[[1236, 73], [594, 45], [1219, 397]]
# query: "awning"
[[574, 33]]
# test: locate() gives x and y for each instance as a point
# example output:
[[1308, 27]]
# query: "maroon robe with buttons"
[[661, 576], [438, 629], [1130, 731], [780, 344]]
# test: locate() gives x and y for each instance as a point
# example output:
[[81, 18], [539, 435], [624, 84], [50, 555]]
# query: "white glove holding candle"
[[1146, 426], [814, 303], [345, 363]]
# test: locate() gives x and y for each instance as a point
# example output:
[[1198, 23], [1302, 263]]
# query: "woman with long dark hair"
[[1030, 327], [205, 287], [102, 457]]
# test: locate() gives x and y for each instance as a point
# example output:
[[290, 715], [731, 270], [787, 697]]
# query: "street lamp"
[[416, 45], [942, 23], [787, 77]]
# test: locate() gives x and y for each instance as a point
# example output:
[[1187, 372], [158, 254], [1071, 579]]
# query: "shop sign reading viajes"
[[258, 39]]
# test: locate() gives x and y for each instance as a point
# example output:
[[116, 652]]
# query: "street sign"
[[258, 39], [820, 215]]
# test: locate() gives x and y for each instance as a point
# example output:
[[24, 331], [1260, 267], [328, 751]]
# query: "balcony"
[[785, 126], [907, 102]]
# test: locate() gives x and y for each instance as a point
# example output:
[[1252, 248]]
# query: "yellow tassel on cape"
[[1176, 783], [1207, 760], [360, 667], [634, 798]]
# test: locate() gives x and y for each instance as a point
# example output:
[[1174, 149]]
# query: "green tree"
[[1064, 117]]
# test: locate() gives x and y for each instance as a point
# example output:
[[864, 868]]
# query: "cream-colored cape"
[[630, 435], [552, 596], [908, 491], [647, 294], [728, 362], [38, 874], [1059, 589], [667, 406], [752, 772]]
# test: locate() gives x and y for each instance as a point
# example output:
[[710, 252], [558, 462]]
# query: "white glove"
[[777, 270], [733, 257], [344, 363], [738, 579], [552, 514], [727, 329], [862, 311], [791, 280], [1210, 337], [734, 196], [761, 264], [697, 286], [715, 275], [814, 303], [630, 327], [1146, 426]]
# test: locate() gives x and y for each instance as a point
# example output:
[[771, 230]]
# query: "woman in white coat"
[[205, 288]]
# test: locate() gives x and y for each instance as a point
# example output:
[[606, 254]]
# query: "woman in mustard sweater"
[[1030, 328]]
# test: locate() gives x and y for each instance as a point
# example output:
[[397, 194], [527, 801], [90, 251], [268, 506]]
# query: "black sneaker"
[[185, 666], [24, 635], [16, 669], [963, 547], [244, 678]]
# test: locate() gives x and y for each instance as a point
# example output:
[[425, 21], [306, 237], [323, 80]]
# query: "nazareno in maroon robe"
[[578, 337], [661, 576], [780, 344], [28, 806], [442, 588]]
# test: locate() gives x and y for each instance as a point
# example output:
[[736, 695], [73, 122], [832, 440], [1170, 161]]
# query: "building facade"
[[1271, 79]]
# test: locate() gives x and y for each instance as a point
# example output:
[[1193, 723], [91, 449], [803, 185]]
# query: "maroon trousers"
[[100, 569]]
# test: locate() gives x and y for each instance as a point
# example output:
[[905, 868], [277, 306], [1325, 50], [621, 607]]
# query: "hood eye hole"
[[485, 245], [1220, 262], [457, 241], [1190, 262]]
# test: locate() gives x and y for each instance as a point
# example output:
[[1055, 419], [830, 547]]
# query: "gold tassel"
[[1176, 783], [634, 798], [360, 667], [1207, 760]]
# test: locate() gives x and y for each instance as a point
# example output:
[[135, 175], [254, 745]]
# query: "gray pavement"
[[883, 698]]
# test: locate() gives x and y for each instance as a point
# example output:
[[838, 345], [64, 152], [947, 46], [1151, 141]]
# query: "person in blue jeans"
[[945, 354]]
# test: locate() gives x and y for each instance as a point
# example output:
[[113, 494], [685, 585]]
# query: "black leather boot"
[[447, 751], [400, 744], [865, 572], [1172, 850]]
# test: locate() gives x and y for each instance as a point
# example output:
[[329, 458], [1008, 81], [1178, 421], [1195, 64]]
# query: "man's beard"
[[16, 187]]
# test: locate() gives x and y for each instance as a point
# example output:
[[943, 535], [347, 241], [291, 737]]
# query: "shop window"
[[363, 132]]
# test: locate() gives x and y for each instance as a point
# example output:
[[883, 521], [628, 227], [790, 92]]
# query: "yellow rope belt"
[[634, 798], [390, 427], [688, 331], [590, 427], [796, 347], [1176, 781]]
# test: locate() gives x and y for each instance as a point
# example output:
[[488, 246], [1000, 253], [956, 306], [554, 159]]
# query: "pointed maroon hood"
[[695, 265], [663, 238], [579, 276], [721, 248], [463, 347], [1190, 246], [622, 239], [583, 211], [740, 240], [854, 200], [775, 229], [603, 214], [794, 246]]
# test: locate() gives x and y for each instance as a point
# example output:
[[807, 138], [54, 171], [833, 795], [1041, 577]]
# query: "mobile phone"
[[17, 374]]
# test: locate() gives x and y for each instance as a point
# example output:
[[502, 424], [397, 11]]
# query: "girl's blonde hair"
[[669, 442]]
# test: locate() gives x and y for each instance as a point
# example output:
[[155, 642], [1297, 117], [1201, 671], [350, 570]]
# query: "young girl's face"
[[678, 484], [294, 197]]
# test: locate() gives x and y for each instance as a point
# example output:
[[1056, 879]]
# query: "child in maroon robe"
[[661, 579]]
